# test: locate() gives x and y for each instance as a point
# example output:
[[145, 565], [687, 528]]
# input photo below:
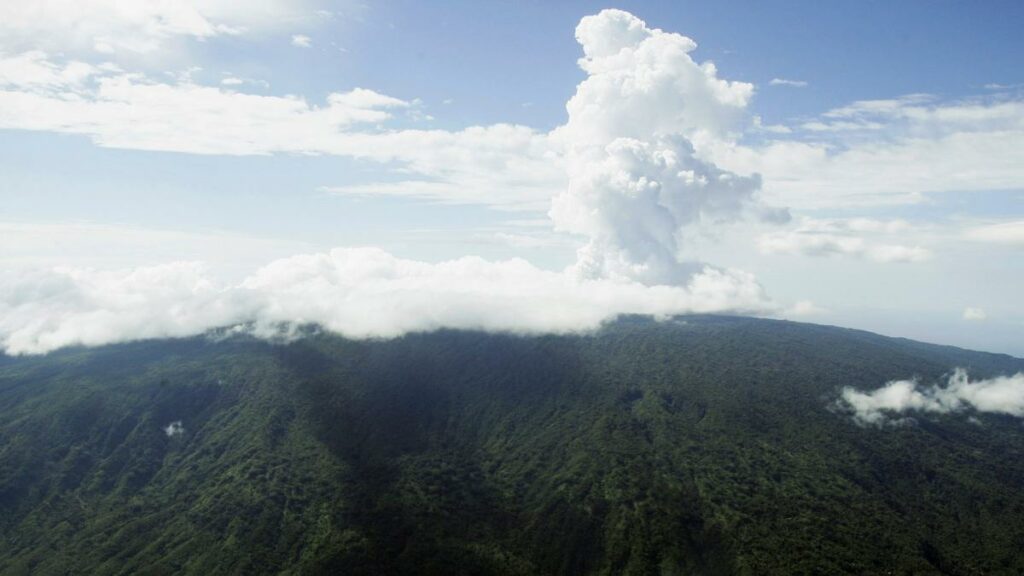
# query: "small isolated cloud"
[[1001, 395], [302, 41], [889, 152], [972, 313], [784, 82], [174, 429]]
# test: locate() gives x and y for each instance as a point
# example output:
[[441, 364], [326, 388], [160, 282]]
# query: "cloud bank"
[[355, 292], [1001, 395], [174, 429]]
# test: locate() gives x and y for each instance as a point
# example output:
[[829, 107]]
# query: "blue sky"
[[892, 134]]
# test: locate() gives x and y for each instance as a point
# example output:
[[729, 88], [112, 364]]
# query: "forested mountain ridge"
[[699, 445]]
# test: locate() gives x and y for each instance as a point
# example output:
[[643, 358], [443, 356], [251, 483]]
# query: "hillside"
[[701, 445]]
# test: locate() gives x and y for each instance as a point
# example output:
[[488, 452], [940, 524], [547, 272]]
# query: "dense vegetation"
[[703, 445]]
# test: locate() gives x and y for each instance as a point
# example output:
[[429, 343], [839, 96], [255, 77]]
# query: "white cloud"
[[234, 81], [973, 313], [649, 155], [174, 429], [873, 152], [868, 153], [33, 70], [791, 83], [838, 237], [121, 110], [660, 90], [884, 152], [635, 181], [1002, 395], [302, 41], [1003, 233], [138, 26], [355, 292], [506, 166]]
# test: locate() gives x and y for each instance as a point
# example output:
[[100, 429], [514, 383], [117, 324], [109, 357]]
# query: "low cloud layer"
[[1001, 395], [360, 293]]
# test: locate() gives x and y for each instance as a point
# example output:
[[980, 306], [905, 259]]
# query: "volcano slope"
[[698, 445]]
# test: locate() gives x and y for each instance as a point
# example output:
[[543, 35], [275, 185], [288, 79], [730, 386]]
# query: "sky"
[[168, 168]]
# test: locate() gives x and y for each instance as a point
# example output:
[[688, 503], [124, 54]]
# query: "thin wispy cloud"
[[790, 83]]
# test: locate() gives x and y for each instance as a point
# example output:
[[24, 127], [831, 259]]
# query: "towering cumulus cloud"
[[635, 180]]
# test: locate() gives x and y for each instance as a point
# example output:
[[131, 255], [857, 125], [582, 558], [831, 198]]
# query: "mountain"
[[698, 445]]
